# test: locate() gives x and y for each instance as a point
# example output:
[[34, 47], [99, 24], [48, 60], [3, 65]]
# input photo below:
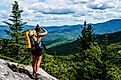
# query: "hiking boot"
[[38, 76]]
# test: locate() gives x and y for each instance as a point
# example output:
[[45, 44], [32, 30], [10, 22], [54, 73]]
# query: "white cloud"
[[98, 4], [80, 1], [64, 12], [4, 13], [5, 2]]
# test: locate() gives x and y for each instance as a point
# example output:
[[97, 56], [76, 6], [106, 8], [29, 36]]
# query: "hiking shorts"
[[37, 51]]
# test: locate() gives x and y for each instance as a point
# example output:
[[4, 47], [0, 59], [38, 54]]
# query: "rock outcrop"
[[13, 71]]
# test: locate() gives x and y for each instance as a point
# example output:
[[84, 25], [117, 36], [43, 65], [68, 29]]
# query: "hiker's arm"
[[44, 32]]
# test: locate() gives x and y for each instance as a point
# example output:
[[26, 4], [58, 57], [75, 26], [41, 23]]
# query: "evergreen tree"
[[15, 25], [87, 36], [15, 28]]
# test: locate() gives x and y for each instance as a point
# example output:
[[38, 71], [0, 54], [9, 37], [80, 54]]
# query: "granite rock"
[[14, 71]]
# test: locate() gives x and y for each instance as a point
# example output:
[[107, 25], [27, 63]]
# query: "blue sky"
[[63, 12]]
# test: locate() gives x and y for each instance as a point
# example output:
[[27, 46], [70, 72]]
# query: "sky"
[[63, 12]]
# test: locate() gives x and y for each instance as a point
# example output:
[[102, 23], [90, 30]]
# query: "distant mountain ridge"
[[108, 27], [61, 34], [74, 46]]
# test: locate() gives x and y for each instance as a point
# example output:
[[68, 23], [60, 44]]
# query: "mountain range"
[[67, 33]]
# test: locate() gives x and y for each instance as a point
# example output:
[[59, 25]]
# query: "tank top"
[[39, 40]]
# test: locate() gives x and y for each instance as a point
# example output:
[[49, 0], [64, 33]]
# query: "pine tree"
[[87, 36], [15, 26]]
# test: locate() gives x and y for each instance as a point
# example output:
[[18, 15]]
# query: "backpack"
[[29, 34]]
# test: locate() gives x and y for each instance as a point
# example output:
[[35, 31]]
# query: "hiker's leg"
[[39, 60], [33, 59], [33, 63]]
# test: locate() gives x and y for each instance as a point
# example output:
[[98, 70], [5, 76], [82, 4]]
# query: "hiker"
[[36, 48]]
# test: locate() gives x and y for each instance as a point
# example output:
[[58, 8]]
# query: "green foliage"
[[64, 49], [101, 64], [62, 67], [86, 37], [109, 38], [91, 64], [7, 58], [7, 51], [114, 73]]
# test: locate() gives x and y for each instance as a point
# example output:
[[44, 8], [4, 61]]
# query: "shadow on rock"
[[14, 68]]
